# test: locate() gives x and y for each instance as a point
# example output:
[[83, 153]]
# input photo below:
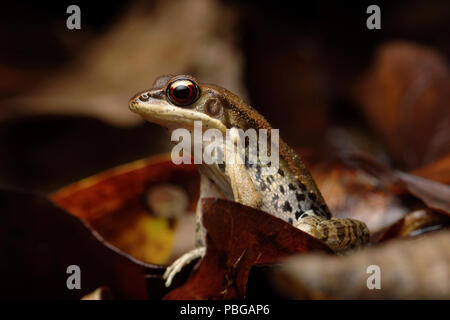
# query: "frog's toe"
[[181, 262]]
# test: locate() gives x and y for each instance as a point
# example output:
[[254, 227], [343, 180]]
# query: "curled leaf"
[[239, 237], [39, 241], [117, 204], [416, 222]]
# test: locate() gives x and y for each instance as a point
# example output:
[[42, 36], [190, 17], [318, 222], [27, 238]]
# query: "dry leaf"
[[239, 237], [39, 241], [352, 192], [114, 204], [438, 170], [405, 96], [409, 269], [416, 222]]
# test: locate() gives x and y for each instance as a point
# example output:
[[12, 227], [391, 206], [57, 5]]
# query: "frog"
[[290, 193]]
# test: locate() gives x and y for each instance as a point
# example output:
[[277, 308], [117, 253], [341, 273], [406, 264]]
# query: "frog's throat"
[[173, 117]]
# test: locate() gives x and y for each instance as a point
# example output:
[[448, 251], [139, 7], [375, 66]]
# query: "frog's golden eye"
[[183, 92]]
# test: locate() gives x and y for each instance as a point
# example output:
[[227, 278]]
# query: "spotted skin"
[[337, 233], [284, 196]]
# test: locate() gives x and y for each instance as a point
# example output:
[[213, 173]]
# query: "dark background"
[[300, 64]]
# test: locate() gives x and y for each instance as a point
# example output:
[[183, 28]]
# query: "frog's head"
[[178, 101]]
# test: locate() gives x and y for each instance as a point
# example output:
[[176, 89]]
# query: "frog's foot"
[[181, 262], [338, 234]]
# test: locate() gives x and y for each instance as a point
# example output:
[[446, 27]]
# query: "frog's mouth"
[[173, 117]]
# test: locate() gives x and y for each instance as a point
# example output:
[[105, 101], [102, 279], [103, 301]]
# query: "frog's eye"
[[183, 92]]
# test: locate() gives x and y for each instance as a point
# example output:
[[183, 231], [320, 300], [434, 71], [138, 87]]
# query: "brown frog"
[[289, 193]]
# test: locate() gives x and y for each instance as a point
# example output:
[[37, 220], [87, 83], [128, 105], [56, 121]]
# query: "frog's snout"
[[132, 105], [136, 101]]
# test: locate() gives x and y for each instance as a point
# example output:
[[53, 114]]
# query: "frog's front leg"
[[198, 252], [244, 191], [208, 189], [181, 262], [339, 234]]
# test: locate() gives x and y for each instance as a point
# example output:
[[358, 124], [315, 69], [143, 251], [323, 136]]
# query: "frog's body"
[[290, 193]]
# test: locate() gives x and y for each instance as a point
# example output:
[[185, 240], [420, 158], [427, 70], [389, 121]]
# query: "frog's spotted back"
[[285, 196]]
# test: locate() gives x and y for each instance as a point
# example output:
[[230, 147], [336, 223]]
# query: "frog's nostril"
[[132, 105], [144, 97]]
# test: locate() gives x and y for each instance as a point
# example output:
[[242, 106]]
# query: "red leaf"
[[239, 237], [38, 241]]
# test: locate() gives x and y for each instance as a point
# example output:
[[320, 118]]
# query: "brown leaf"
[[239, 237], [435, 195], [38, 241], [405, 96], [438, 170], [410, 269], [350, 191], [357, 186], [413, 223], [114, 204]]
